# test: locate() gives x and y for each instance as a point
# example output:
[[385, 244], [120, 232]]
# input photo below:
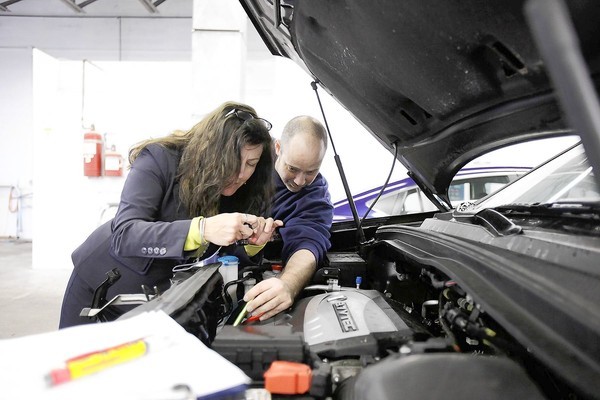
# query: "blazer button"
[[150, 251], [163, 251], [156, 251], [144, 250]]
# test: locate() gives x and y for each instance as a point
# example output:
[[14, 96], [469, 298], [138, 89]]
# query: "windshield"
[[568, 178]]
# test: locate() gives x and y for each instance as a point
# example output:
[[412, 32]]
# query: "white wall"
[[16, 138]]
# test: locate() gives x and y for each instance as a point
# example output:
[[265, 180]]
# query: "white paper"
[[175, 359]]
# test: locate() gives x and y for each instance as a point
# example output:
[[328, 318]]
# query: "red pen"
[[253, 318]]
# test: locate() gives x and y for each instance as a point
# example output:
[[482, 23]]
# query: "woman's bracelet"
[[202, 222]]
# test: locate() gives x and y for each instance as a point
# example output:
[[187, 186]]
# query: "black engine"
[[402, 330]]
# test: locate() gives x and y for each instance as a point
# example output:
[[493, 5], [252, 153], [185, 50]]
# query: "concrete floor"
[[29, 299]]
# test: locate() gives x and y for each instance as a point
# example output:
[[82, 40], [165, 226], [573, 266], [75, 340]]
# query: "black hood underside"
[[444, 80]]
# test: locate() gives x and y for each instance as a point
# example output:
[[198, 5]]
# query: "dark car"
[[496, 299]]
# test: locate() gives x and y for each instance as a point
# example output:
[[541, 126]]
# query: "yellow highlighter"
[[96, 361], [241, 316]]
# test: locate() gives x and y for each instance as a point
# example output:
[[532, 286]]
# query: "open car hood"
[[446, 81]]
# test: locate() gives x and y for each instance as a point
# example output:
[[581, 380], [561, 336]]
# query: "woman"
[[186, 194]]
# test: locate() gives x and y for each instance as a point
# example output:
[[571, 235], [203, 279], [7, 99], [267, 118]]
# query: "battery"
[[347, 266], [254, 347]]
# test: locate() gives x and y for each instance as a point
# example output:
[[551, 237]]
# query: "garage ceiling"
[[97, 8]]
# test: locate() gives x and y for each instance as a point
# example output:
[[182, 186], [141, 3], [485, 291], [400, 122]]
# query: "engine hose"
[[327, 288], [228, 300]]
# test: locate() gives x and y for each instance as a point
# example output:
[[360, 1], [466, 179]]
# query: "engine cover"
[[348, 323]]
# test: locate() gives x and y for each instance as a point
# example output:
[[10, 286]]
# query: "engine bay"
[[392, 322], [405, 331]]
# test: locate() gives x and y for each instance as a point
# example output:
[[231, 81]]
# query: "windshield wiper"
[[578, 209], [496, 222]]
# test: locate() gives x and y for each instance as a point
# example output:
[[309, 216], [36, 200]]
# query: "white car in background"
[[405, 197]]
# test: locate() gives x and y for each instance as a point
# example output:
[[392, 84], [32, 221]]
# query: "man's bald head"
[[300, 152], [305, 125]]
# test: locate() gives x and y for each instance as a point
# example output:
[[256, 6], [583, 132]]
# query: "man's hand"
[[271, 296], [268, 298], [263, 230]]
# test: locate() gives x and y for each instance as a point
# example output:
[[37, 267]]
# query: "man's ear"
[[277, 147]]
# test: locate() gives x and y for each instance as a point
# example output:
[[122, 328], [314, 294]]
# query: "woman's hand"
[[227, 228]]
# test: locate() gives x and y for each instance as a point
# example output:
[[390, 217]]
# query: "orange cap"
[[276, 268], [286, 377]]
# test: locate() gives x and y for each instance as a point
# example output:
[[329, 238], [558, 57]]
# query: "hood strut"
[[557, 42], [338, 163]]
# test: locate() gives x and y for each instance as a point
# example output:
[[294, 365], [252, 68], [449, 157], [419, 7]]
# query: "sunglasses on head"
[[246, 116]]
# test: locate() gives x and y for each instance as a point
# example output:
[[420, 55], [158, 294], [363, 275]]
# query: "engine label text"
[[344, 317]]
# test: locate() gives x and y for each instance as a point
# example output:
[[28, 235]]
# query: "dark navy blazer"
[[145, 239]]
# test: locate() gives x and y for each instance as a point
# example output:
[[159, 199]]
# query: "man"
[[303, 203]]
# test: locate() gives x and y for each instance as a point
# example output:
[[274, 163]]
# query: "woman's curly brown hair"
[[211, 158]]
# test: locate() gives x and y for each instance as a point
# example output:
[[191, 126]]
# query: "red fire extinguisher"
[[113, 163], [93, 145]]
